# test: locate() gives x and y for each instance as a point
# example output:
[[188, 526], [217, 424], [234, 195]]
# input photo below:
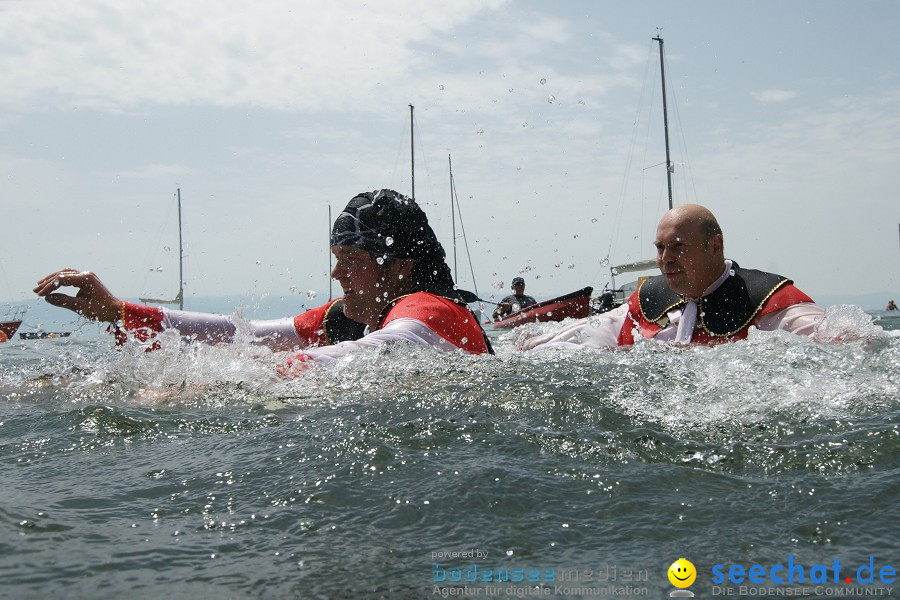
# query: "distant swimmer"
[[390, 264], [891, 305], [700, 297], [515, 301]]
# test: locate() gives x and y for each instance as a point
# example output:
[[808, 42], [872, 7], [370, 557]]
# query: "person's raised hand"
[[93, 300]]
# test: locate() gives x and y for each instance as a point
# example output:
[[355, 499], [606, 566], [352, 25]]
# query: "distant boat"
[[178, 299], [43, 335], [575, 304], [11, 323], [8, 329]]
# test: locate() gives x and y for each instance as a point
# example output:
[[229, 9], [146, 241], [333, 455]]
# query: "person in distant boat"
[[700, 298], [515, 301], [390, 264], [891, 305]]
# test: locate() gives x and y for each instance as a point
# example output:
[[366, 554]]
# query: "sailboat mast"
[[180, 258], [412, 150], [662, 72], [453, 218]]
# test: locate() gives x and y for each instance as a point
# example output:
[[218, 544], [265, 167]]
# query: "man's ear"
[[717, 244]]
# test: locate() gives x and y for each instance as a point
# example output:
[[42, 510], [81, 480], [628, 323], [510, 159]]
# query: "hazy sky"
[[784, 119]]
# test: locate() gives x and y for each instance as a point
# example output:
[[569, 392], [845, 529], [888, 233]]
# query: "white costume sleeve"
[[802, 319], [602, 331], [598, 331], [277, 334], [403, 329]]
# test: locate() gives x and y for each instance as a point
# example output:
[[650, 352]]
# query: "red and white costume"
[[780, 305], [420, 318]]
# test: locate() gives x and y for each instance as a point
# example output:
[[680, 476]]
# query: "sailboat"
[[10, 324], [178, 299], [11, 319], [614, 297]]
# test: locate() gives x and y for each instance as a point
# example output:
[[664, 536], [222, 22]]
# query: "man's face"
[[518, 289], [367, 285], [689, 265]]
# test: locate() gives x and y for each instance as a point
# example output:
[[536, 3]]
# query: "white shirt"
[[602, 331], [280, 334]]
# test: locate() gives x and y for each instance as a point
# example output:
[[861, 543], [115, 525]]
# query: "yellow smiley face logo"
[[682, 573]]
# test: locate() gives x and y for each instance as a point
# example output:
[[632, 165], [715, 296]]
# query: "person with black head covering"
[[396, 280], [392, 268]]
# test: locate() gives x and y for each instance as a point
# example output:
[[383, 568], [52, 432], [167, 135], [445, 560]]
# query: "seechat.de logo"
[[795, 572], [682, 573]]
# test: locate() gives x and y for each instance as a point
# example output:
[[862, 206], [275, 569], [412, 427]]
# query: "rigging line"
[[423, 161], [626, 175], [462, 227], [642, 196], [687, 161], [153, 251], [629, 166], [400, 156]]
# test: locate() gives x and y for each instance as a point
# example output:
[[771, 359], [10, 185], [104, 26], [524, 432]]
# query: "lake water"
[[401, 473]]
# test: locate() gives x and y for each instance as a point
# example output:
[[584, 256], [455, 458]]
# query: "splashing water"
[[197, 467]]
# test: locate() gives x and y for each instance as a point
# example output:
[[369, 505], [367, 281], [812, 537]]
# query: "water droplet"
[[593, 220], [379, 260], [604, 262], [159, 269], [464, 340], [551, 99], [441, 87], [571, 265], [258, 263], [479, 131], [389, 241], [582, 102], [511, 90], [543, 80], [310, 294]]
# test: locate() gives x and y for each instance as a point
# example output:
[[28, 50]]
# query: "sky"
[[784, 119]]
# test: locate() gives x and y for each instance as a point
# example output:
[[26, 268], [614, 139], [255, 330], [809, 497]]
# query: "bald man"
[[700, 297]]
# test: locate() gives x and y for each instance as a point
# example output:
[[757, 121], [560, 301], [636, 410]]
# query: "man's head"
[[518, 286], [690, 249], [385, 248]]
